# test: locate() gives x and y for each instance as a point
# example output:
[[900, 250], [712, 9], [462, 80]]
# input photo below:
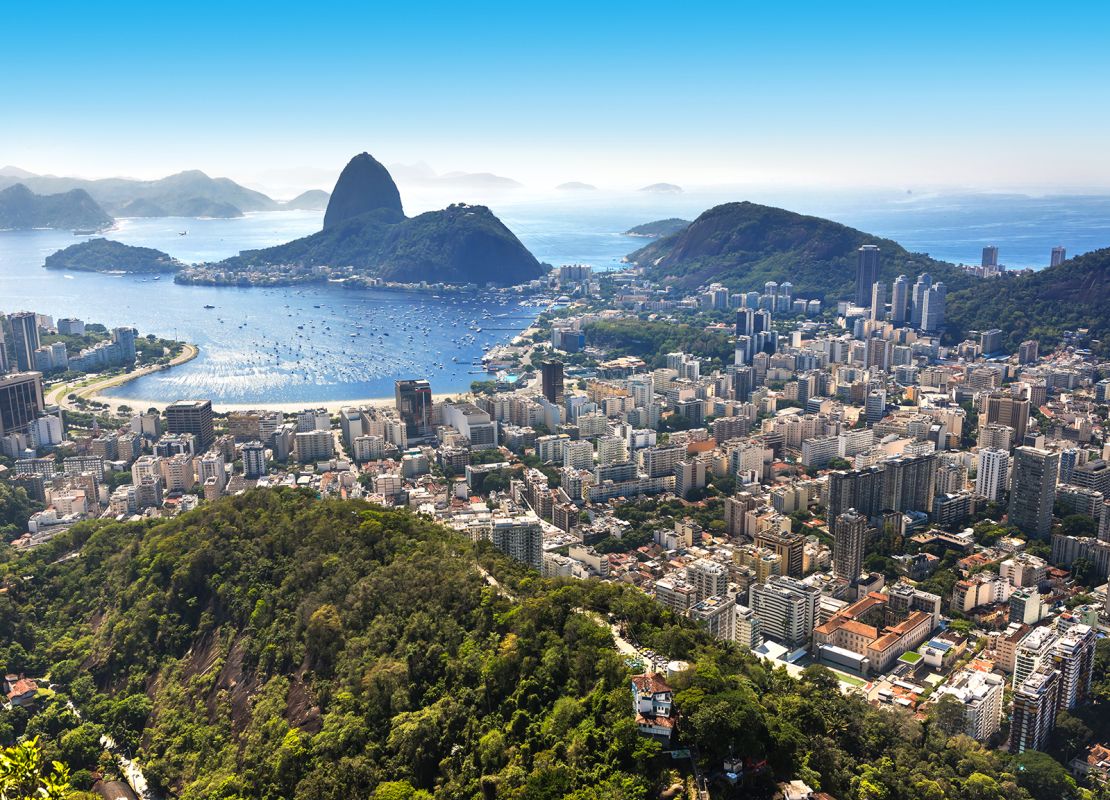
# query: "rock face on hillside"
[[22, 209], [744, 245], [364, 185], [364, 229]]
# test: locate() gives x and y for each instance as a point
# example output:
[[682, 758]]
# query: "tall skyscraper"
[[909, 483], [992, 477], [867, 272], [21, 401], [990, 256], [414, 405], [192, 416], [1034, 714], [899, 299], [1059, 256], [849, 544], [878, 300], [254, 459], [932, 312], [551, 375], [742, 383], [917, 302], [860, 489], [25, 339], [745, 322], [1033, 490]]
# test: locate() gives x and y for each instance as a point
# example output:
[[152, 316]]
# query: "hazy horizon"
[[619, 97]]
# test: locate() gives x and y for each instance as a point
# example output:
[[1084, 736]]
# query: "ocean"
[[294, 345]]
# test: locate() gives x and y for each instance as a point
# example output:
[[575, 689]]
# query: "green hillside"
[[744, 245], [273, 645], [1041, 305]]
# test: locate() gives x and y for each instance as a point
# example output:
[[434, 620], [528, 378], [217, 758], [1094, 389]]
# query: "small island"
[[658, 228], [106, 255], [662, 188]]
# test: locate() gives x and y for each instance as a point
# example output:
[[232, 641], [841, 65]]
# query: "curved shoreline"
[[59, 395]]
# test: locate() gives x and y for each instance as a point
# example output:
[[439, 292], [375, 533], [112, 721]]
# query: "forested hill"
[[744, 245], [1042, 305], [273, 645]]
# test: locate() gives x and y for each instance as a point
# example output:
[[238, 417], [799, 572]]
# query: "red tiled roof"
[[651, 683]]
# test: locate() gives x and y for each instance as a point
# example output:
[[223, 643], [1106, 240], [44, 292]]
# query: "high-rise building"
[[786, 609], [990, 256], [849, 544], [875, 406], [917, 303], [909, 483], [788, 546], [25, 339], [859, 489], [990, 341], [254, 460], [1073, 656], [1034, 714], [1059, 256], [992, 477], [1028, 351], [980, 693], [1005, 409], [21, 401], [192, 416], [743, 380], [520, 538], [878, 300], [414, 405], [551, 376], [932, 313], [745, 322], [1033, 490], [899, 299], [996, 437], [867, 272]]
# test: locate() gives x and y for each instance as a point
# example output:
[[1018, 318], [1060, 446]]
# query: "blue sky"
[[829, 94]]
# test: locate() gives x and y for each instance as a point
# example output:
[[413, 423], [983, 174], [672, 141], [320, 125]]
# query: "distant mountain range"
[[422, 174], [365, 227], [312, 200], [186, 194], [106, 255], [20, 208], [658, 228]]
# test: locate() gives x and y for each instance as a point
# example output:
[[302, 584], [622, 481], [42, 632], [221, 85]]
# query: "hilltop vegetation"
[[275, 645], [1041, 305], [660, 227], [107, 255], [744, 245]]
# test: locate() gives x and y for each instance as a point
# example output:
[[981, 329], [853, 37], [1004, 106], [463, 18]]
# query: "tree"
[[1079, 525], [324, 636], [25, 776], [1043, 777], [947, 715]]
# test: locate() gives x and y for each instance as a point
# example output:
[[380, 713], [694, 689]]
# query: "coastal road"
[[90, 389]]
